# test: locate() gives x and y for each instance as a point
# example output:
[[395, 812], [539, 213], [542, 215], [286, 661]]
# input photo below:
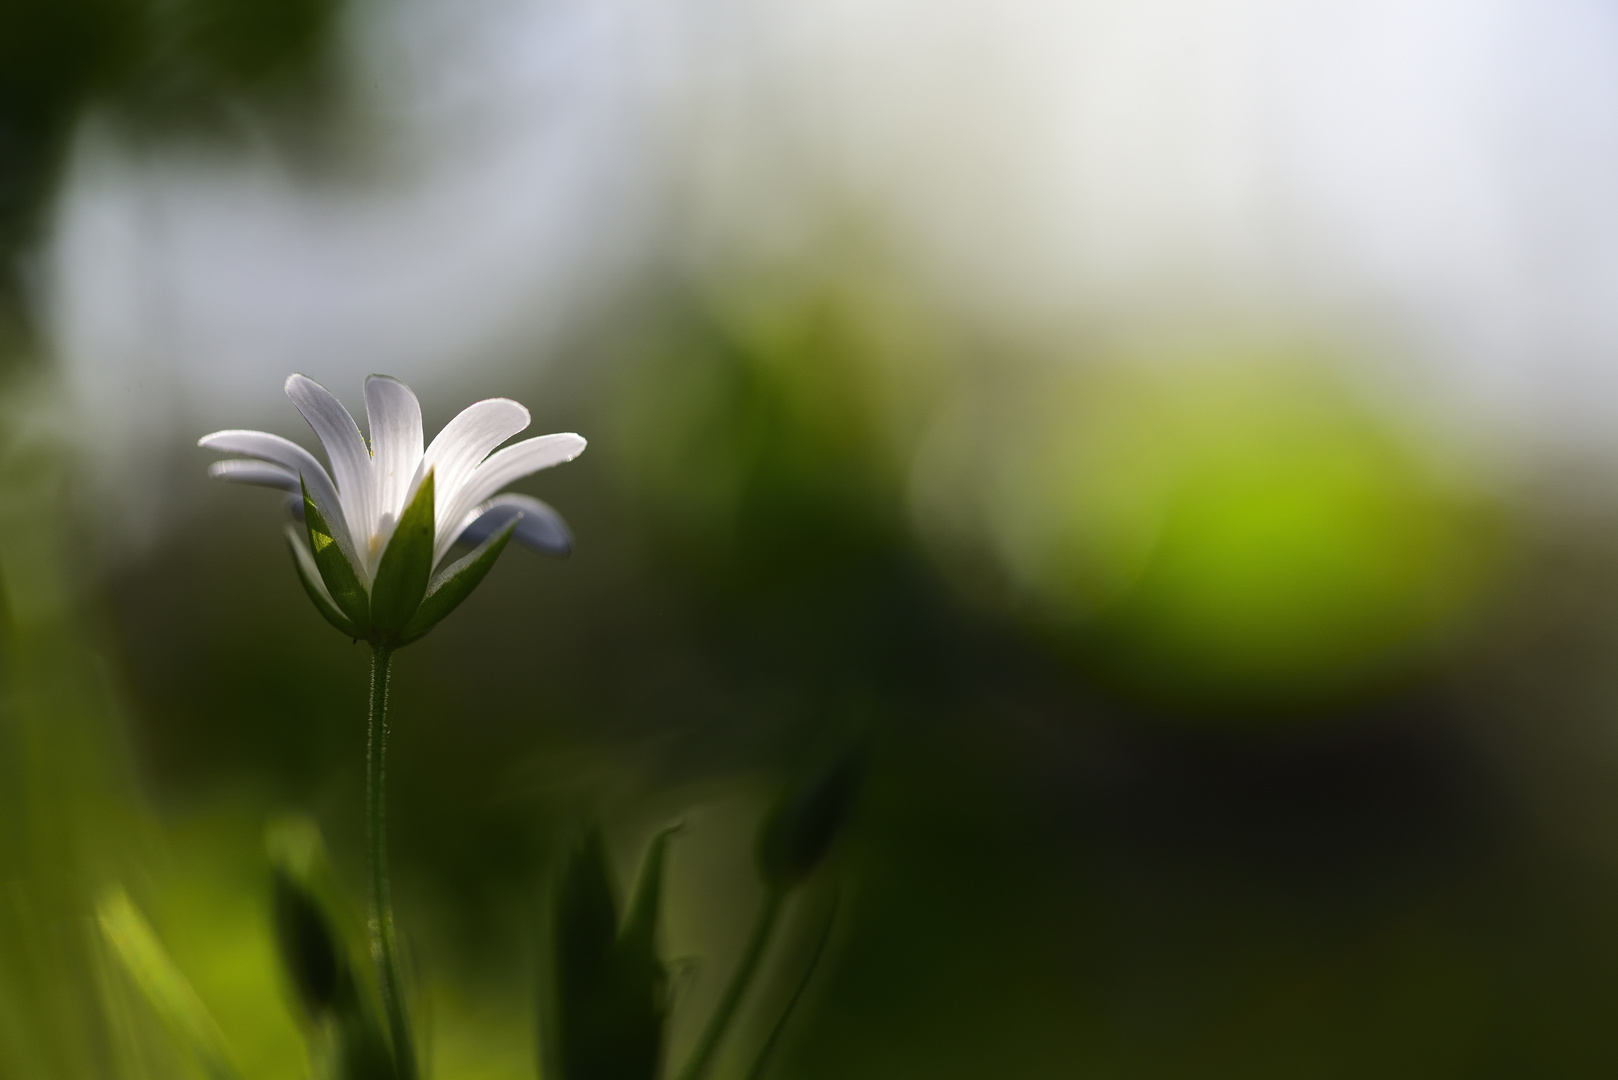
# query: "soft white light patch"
[[502, 183]]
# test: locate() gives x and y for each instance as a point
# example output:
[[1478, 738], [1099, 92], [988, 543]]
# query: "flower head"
[[380, 523]]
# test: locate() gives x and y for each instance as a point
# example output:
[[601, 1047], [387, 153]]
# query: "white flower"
[[376, 483]]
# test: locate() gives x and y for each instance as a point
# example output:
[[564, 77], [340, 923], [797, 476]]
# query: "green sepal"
[[455, 583], [407, 564], [310, 576], [336, 568]]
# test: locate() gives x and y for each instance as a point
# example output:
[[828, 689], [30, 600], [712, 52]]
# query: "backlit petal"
[[503, 467], [396, 444], [350, 459], [464, 442], [541, 527], [261, 473], [288, 454]]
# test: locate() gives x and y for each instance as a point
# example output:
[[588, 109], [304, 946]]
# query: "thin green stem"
[[763, 1059], [757, 941], [381, 921]]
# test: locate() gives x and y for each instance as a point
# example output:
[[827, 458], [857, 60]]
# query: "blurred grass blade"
[[162, 983]]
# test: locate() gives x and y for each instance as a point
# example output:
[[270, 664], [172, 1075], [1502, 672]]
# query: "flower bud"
[[803, 826], [318, 957], [309, 949]]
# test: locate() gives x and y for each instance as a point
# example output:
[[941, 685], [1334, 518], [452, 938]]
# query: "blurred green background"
[[1223, 720]]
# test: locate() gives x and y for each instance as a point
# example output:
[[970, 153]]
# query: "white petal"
[[456, 451], [395, 421], [284, 452], [350, 460], [288, 454], [541, 527], [501, 468], [262, 473]]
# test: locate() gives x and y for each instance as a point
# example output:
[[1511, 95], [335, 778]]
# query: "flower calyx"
[[405, 599]]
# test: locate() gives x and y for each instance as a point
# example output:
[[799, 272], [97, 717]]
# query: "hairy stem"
[[757, 941], [381, 921]]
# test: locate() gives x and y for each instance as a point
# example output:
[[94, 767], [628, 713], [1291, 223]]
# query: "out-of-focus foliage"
[[1231, 529], [757, 441], [95, 981], [762, 440], [71, 824]]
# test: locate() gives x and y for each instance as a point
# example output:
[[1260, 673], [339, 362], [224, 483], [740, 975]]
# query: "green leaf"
[[609, 1000], [337, 566], [310, 576], [455, 583], [401, 576], [639, 936], [641, 990]]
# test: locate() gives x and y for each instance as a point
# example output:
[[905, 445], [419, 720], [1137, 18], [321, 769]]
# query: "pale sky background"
[[1442, 175]]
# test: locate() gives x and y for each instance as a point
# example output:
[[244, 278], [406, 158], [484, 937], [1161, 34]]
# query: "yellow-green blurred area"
[[1228, 713], [1228, 526]]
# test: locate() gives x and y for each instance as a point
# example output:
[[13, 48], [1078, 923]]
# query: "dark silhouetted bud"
[[310, 920], [309, 949], [803, 826]]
